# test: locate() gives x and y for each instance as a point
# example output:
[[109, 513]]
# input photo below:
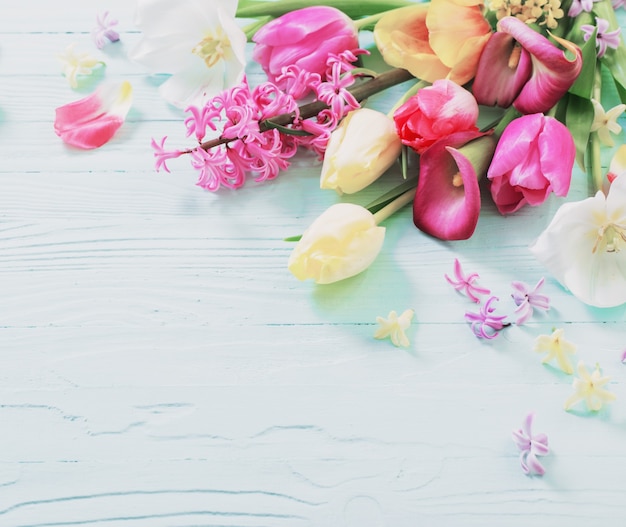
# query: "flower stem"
[[407, 95], [352, 8], [595, 162], [361, 91], [253, 27], [394, 206], [368, 21]]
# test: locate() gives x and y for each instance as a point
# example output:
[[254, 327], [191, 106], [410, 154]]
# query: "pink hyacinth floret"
[[530, 446], [485, 324], [466, 284], [526, 300]]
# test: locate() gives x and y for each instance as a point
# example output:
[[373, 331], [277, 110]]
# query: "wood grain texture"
[[159, 366]]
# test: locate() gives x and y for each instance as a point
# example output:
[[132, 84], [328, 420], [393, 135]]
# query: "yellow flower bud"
[[340, 243], [359, 151]]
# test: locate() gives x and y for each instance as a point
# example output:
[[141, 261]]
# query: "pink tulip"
[[435, 112], [447, 201], [522, 67], [535, 156], [304, 37], [91, 122]]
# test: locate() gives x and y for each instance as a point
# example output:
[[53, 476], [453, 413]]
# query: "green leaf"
[[578, 119], [388, 197], [583, 85], [353, 8], [285, 129], [293, 238]]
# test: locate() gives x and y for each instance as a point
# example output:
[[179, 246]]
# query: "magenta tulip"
[[535, 156], [304, 37], [522, 67], [447, 201]]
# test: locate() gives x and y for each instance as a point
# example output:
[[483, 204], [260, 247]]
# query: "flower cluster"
[[539, 68]]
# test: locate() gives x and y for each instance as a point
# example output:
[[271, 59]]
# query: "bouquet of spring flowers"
[[544, 72]]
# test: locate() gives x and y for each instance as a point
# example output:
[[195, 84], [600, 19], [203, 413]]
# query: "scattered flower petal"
[[91, 122], [466, 284], [557, 348], [530, 446], [75, 64], [104, 31], [484, 324], [527, 300], [589, 388], [623, 356], [394, 326]]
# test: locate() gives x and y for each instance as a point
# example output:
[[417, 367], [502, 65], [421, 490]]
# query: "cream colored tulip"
[[340, 243], [359, 151]]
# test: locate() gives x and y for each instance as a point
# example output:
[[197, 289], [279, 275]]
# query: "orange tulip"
[[442, 39]]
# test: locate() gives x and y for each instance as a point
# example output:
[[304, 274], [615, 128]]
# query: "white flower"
[[395, 327], [584, 247], [196, 41]]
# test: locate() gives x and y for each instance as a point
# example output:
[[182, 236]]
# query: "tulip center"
[[457, 180], [611, 238], [212, 48]]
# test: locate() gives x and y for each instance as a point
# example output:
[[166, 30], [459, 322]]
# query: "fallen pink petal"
[[92, 121]]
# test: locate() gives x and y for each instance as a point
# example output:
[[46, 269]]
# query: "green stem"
[[407, 95], [368, 21], [394, 206], [253, 27], [352, 8], [595, 163]]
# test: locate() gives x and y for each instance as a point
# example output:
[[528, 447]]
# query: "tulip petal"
[[340, 243], [91, 122], [535, 156], [401, 36], [458, 32], [359, 151], [444, 206]]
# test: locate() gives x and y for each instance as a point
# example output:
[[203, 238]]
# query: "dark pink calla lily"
[[447, 201], [521, 66]]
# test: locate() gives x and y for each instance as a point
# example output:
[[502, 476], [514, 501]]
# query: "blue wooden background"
[[159, 366]]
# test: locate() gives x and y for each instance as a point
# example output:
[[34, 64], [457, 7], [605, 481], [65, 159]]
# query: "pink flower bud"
[[305, 38]]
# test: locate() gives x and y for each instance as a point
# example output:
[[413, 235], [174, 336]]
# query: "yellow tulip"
[[441, 39], [340, 243], [359, 151]]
